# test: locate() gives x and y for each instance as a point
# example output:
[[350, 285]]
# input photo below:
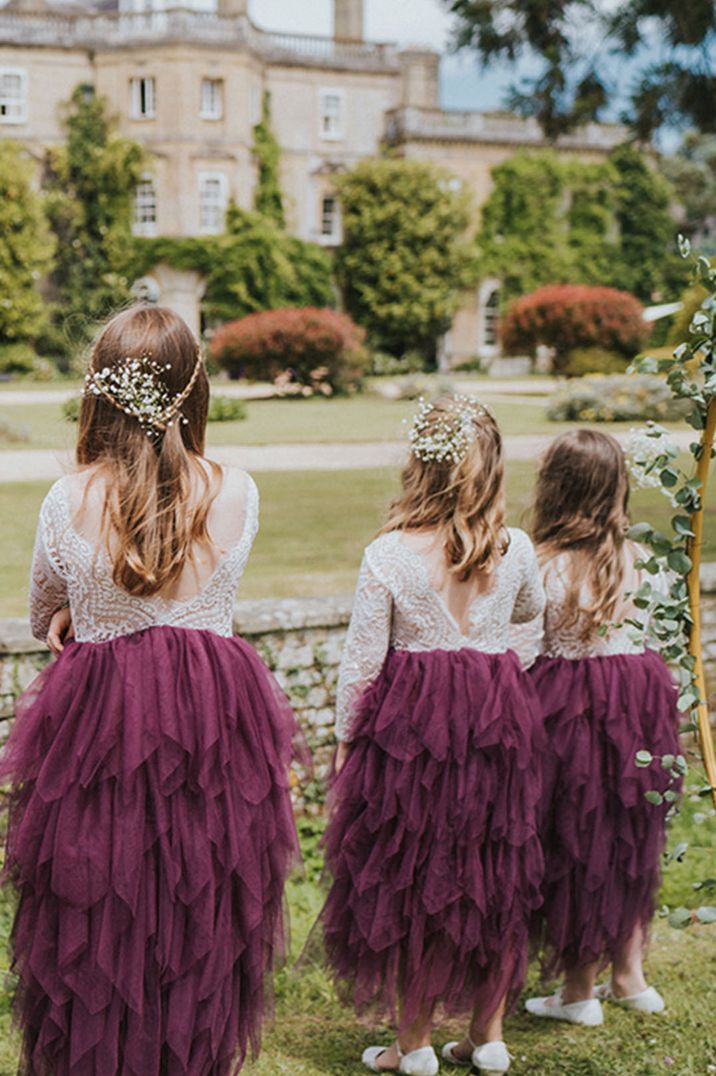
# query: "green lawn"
[[354, 419], [314, 525], [314, 1036]]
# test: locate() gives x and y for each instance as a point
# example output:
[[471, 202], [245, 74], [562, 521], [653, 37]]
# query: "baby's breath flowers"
[[447, 439], [137, 386]]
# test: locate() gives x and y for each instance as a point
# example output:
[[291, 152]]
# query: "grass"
[[355, 419], [314, 1036], [314, 525]]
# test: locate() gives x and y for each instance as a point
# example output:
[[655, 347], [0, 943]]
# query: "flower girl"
[[433, 849], [605, 697], [151, 827]]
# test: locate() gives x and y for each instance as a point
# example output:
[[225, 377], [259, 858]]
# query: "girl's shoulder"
[[520, 547]]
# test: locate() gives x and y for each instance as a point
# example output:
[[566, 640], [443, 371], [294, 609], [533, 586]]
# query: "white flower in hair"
[[136, 385], [448, 439]]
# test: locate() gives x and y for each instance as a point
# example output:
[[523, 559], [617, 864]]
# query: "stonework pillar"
[[182, 291], [348, 20], [421, 78]]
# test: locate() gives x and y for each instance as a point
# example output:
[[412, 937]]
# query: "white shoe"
[[649, 1000], [491, 1058], [587, 1012], [422, 1062]]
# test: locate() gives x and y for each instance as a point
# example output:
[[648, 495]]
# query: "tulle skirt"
[[603, 840], [432, 845], [149, 839]]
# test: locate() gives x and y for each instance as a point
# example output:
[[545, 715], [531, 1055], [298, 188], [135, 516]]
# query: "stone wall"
[[300, 640]]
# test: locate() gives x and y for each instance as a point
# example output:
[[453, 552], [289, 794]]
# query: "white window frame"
[[331, 123], [146, 227], [150, 97], [19, 103], [222, 202], [489, 341], [334, 236], [213, 89]]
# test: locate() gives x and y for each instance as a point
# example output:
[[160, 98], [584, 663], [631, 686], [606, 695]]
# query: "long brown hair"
[[150, 476], [463, 501], [581, 506]]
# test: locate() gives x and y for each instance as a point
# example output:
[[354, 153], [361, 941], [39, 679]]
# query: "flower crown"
[[448, 440], [136, 386]]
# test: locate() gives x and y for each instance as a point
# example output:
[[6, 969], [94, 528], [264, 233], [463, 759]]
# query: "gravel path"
[[27, 465]]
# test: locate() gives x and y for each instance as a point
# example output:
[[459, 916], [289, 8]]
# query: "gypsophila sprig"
[[448, 439], [136, 385]]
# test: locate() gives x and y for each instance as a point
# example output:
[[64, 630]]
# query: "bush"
[[226, 409], [623, 398], [19, 358], [691, 299], [384, 365], [569, 316], [317, 350], [593, 360]]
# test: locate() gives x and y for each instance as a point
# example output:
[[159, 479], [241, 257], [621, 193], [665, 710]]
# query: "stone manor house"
[[187, 81]]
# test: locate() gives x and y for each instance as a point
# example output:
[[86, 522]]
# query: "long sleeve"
[[48, 588], [530, 599], [365, 648]]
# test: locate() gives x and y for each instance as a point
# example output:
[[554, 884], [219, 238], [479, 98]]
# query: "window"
[[330, 219], [489, 303], [212, 99], [145, 208], [143, 98], [332, 114], [212, 202], [13, 95]]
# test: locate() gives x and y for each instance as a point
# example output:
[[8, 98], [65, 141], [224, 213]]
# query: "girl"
[[605, 697], [151, 827], [432, 845]]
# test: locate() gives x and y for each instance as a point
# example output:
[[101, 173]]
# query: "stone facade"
[[188, 81], [300, 640]]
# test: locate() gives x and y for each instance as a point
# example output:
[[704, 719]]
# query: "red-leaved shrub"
[[569, 316], [321, 350]]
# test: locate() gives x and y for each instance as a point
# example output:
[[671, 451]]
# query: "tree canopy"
[[573, 43]]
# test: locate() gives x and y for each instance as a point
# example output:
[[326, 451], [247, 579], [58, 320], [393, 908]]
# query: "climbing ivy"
[[268, 200]]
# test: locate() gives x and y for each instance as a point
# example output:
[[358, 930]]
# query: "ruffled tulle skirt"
[[149, 839], [603, 840], [432, 845]]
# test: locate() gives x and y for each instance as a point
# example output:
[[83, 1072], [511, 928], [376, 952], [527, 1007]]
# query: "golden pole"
[[693, 581]]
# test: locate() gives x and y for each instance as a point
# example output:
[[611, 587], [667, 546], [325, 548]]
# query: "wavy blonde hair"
[[580, 506], [464, 502], [150, 509]]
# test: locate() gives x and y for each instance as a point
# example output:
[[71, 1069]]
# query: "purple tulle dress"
[[604, 697], [151, 828], [432, 845]]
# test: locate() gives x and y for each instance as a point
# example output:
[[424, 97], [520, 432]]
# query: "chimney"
[[421, 78], [233, 7], [348, 20]]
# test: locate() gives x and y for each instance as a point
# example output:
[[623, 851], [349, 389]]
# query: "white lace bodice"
[[68, 569], [396, 605], [550, 636]]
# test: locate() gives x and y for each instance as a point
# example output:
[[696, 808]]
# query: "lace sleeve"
[[48, 587], [365, 648], [529, 602]]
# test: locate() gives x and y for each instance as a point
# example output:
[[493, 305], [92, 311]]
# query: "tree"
[[404, 260], [573, 43], [26, 248], [90, 182], [552, 219], [267, 152], [692, 173]]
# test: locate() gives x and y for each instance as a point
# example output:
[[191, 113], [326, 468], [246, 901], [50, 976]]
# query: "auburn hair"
[[151, 517], [580, 506], [464, 502]]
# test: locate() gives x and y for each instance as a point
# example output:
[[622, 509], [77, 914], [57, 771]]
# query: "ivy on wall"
[[268, 200]]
